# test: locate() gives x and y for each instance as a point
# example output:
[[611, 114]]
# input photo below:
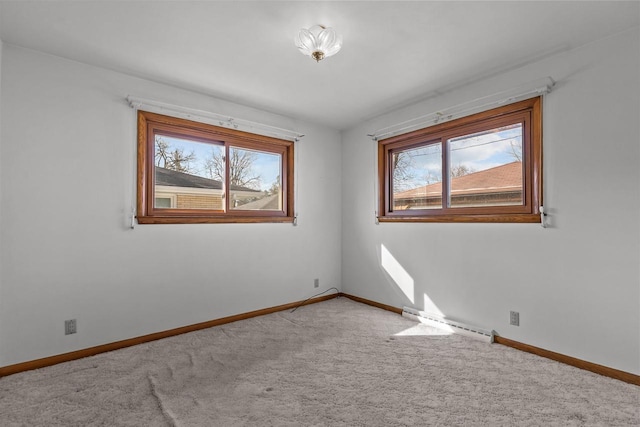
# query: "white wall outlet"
[[514, 318], [70, 327]]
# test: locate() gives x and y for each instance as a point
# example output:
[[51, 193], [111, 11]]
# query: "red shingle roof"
[[495, 180]]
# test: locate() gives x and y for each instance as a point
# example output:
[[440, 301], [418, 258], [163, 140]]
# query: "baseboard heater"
[[447, 325]]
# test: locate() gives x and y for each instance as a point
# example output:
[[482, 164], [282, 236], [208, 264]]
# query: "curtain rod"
[[519, 93], [211, 118]]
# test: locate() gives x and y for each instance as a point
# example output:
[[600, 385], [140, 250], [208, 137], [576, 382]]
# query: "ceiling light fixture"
[[318, 42]]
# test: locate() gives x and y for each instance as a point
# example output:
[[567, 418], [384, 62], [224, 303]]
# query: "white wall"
[[67, 184], [1, 232], [575, 284]]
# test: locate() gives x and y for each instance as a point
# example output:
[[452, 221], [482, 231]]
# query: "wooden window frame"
[[151, 123], [529, 112]]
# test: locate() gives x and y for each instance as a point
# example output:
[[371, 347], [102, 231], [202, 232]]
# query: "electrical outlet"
[[70, 327], [316, 283], [514, 318]]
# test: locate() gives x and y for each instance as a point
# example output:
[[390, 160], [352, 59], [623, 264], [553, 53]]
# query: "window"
[[482, 168], [190, 172], [165, 200]]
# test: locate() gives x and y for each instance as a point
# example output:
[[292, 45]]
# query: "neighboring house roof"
[[173, 178], [499, 179], [271, 203]]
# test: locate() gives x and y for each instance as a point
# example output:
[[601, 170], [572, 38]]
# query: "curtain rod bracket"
[[519, 93], [211, 118]]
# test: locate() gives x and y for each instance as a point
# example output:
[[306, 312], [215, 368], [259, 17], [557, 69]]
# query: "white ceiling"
[[394, 53]]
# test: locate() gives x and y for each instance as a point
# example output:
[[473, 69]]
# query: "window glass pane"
[[417, 178], [255, 181], [189, 173], [163, 202], [486, 168]]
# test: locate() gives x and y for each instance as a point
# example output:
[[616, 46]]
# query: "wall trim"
[[568, 360], [92, 351], [373, 303]]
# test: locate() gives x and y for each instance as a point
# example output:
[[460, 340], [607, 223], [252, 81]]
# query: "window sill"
[[501, 218], [212, 220]]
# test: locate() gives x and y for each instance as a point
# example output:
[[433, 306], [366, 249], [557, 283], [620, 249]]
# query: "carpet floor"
[[335, 363]]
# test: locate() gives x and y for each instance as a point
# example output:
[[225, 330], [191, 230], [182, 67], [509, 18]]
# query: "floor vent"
[[447, 325]]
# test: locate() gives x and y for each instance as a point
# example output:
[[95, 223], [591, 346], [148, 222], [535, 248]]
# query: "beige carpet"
[[336, 363]]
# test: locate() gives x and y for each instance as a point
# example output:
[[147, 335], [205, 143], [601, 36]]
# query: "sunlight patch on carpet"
[[422, 330]]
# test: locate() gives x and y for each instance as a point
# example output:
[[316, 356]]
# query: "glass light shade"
[[318, 42]]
